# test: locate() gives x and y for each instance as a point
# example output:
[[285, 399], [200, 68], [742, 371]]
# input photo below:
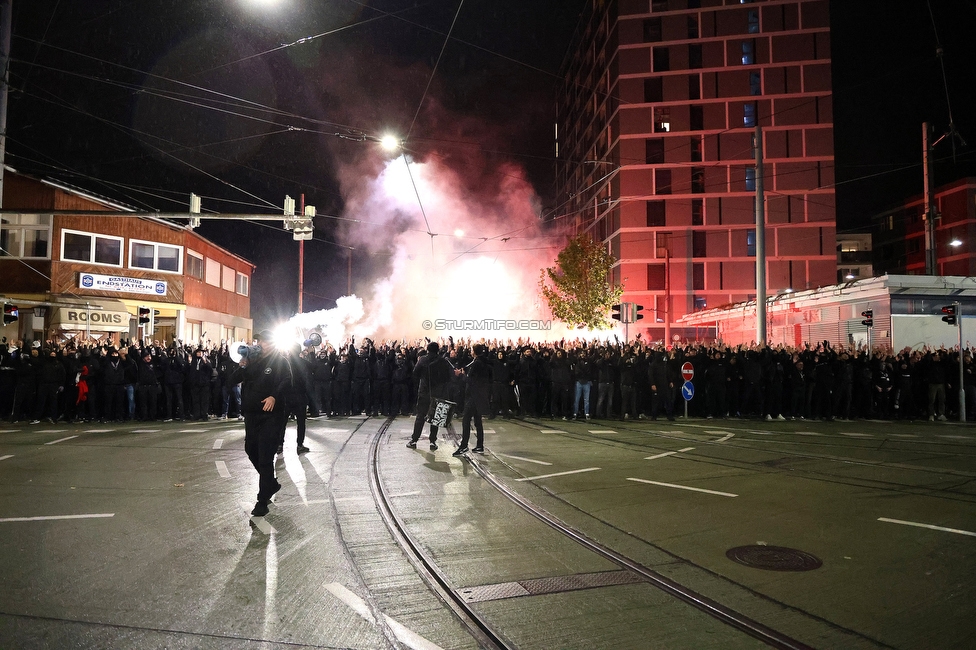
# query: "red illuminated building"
[[654, 139]]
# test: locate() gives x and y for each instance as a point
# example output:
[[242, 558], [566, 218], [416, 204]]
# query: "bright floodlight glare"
[[390, 143], [956, 242], [459, 233], [849, 276]]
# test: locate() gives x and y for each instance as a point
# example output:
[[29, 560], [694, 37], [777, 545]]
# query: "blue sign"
[[687, 390], [87, 281]]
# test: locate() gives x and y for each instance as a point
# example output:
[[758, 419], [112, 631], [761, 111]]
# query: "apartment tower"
[[656, 120]]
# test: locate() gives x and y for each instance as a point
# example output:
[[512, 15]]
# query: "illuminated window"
[[194, 265], [25, 235], [748, 52], [155, 257], [243, 284]]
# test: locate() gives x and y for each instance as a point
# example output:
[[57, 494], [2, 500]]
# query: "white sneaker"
[[768, 417], [780, 417]]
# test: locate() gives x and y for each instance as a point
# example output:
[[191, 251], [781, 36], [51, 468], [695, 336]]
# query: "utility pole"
[[6, 13], [760, 243], [301, 257], [930, 216], [962, 389], [667, 295]]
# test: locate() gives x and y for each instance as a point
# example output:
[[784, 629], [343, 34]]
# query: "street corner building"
[[74, 265]]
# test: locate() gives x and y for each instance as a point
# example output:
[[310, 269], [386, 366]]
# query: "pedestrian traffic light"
[[950, 314], [868, 318], [637, 312], [10, 314], [617, 312], [144, 315]]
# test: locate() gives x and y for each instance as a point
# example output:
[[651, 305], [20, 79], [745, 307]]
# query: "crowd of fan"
[[144, 380]]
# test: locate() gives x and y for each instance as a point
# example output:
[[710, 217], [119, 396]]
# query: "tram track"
[[481, 629]]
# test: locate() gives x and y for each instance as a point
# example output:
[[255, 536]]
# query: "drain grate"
[[774, 558]]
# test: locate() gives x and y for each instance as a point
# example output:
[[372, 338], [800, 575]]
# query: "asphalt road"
[[139, 535]]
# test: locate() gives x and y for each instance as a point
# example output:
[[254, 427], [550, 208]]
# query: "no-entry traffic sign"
[[687, 371]]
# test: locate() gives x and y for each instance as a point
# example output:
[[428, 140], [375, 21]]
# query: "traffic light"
[[10, 314], [637, 312], [868, 318], [144, 315], [617, 312], [950, 314]]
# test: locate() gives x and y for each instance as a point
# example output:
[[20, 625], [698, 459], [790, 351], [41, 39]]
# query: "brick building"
[[655, 156], [79, 274]]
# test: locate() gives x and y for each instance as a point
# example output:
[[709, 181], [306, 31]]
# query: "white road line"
[[551, 431], [406, 636], [602, 431], [528, 460], [6, 457], [575, 471], [52, 430], [218, 443], [902, 435], [717, 433], [54, 442], [684, 487], [222, 469], [668, 453], [99, 430], [725, 437], [957, 437], [52, 517], [807, 433], [930, 526], [189, 431], [9, 430], [262, 524], [488, 430], [153, 430], [855, 435], [405, 494]]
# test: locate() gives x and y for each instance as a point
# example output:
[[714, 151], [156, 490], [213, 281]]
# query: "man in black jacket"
[[433, 373], [266, 381], [476, 400], [147, 387]]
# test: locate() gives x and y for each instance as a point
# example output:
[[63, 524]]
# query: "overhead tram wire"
[[433, 72]]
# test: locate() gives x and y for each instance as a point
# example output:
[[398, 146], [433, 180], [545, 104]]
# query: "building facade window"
[[652, 30], [654, 90], [751, 243], [693, 26], [699, 303], [229, 282], [25, 235], [662, 181], [751, 179], [698, 276], [662, 59], [194, 265], [694, 56], [88, 247], [753, 21], [698, 247], [696, 148], [755, 83], [656, 214], [213, 272], [749, 114], [243, 284], [152, 256], [748, 52], [654, 151], [697, 117], [662, 119], [697, 180], [697, 212], [694, 86]]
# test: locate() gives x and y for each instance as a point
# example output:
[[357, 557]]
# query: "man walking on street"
[[266, 380]]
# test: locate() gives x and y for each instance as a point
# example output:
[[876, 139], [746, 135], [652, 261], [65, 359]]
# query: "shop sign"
[[121, 284]]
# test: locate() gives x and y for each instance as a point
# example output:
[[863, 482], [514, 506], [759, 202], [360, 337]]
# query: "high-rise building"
[[654, 144]]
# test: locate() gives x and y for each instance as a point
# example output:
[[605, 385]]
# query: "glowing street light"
[[459, 233], [956, 242], [390, 142]]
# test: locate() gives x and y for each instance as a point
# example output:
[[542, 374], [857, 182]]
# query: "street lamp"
[[956, 242], [390, 142]]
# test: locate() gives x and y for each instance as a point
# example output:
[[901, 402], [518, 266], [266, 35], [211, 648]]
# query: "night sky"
[[146, 102]]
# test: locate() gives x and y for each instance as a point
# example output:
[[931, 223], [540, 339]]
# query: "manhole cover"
[[774, 558]]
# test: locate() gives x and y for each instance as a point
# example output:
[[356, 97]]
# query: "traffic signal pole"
[[760, 243], [962, 387]]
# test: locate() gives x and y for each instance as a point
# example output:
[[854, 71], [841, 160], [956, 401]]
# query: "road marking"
[[855, 435], [53, 517], [602, 431], [405, 494], [914, 523], [957, 437], [99, 430], [551, 431], [902, 435], [575, 471], [153, 430], [668, 453], [52, 430], [218, 443], [347, 431], [406, 636], [717, 433], [222, 469], [684, 487], [528, 460], [9, 430], [488, 430], [807, 433], [725, 437], [6, 457], [54, 442], [262, 524]]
